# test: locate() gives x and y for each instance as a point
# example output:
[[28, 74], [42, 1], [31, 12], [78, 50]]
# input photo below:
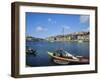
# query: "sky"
[[42, 25]]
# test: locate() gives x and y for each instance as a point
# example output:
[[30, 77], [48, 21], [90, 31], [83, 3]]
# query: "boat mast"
[[63, 33], [64, 40], [63, 37]]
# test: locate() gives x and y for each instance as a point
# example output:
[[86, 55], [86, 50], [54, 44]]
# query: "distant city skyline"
[[42, 25]]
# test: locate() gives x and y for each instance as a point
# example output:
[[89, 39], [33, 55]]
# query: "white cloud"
[[54, 22], [84, 19], [87, 29], [66, 27], [49, 19], [40, 29]]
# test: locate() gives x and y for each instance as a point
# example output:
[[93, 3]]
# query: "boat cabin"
[[59, 53]]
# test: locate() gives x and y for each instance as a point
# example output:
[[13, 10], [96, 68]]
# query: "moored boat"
[[68, 58], [31, 51]]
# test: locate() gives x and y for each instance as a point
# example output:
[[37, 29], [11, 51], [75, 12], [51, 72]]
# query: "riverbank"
[[80, 41]]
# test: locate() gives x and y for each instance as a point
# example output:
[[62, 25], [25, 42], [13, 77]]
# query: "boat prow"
[[57, 60]]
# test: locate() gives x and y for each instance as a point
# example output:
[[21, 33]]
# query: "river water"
[[42, 47]]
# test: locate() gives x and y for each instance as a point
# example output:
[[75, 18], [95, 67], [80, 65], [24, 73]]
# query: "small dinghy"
[[31, 51]]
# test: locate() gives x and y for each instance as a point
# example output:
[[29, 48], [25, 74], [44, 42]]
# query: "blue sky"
[[42, 25]]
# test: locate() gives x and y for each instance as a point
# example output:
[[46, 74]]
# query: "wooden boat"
[[69, 58], [31, 51]]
